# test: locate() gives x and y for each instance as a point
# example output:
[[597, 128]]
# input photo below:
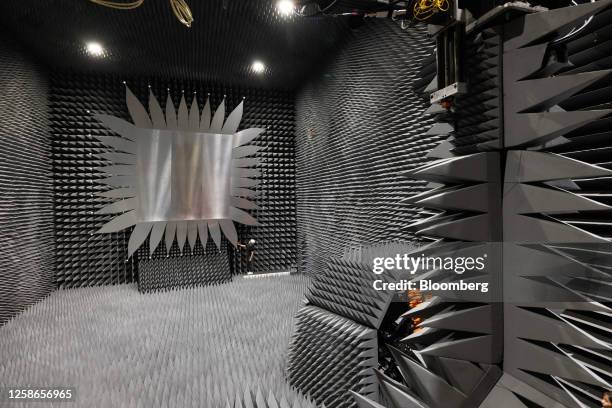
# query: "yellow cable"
[[179, 7], [424, 9], [119, 5], [182, 12]]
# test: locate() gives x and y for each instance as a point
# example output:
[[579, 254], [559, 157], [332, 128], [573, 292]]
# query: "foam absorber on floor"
[[216, 346]]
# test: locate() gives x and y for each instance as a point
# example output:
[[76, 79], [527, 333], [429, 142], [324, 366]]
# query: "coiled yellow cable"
[[179, 7], [119, 5], [424, 9], [182, 12]]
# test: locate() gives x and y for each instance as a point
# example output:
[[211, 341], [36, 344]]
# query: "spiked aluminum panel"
[[320, 334], [359, 125], [84, 258], [185, 174], [26, 183]]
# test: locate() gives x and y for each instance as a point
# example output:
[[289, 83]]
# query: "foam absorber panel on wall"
[[541, 191], [345, 288], [320, 334], [342, 319], [557, 121], [360, 124], [451, 360], [85, 258], [26, 183], [211, 267]]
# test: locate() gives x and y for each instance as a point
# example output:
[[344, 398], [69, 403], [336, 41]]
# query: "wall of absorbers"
[[521, 172], [356, 163], [85, 258], [26, 191], [360, 125]]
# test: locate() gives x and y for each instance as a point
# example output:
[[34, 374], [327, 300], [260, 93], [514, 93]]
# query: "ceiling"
[[225, 39]]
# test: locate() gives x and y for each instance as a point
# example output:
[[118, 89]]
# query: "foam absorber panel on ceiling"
[[26, 183], [85, 258], [360, 124], [220, 45]]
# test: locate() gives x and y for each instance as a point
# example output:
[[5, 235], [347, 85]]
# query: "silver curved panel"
[[153, 175], [184, 176], [181, 172]]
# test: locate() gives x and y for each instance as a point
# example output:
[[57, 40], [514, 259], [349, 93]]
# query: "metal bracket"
[[453, 89]]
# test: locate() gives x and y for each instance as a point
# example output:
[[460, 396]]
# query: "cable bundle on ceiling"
[[179, 7]]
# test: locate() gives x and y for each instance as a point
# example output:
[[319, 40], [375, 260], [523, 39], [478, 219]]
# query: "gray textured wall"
[[26, 184], [359, 124]]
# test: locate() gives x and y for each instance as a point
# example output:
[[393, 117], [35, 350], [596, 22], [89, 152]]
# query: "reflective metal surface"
[[184, 176], [179, 173], [154, 176]]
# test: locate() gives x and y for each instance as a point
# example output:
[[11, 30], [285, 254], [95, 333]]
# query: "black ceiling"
[[226, 37]]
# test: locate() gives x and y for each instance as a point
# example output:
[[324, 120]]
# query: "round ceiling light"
[[285, 7], [258, 67], [95, 49]]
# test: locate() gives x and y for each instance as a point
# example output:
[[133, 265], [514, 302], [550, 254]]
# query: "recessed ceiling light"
[[95, 49], [258, 67], [285, 7]]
